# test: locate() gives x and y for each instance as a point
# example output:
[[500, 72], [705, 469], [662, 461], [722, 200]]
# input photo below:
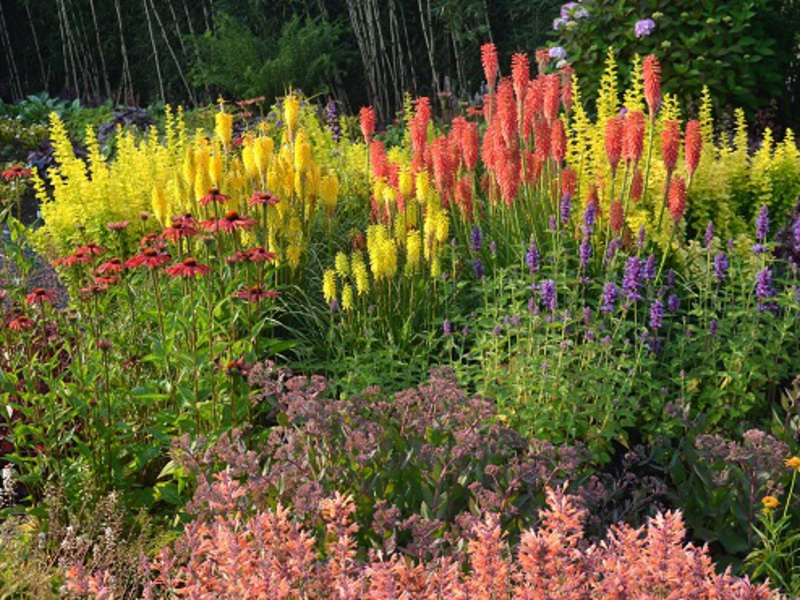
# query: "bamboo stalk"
[[155, 52]]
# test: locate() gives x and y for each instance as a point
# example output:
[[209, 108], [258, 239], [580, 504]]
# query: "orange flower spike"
[[367, 122], [677, 199], [419, 130], [569, 182], [507, 111], [378, 160], [613, 141], [670, 144], [534, 104], [490, 64], [633, 139], [520, 75], [469, 145], [463, 196], [617, 217], [651, 73], [543, 138], [637, 185], [552, 97], [693, 146], [558, 141], [566, 87]]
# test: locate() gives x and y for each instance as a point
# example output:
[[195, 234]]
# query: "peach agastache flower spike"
[[693, 147], [651, 73]]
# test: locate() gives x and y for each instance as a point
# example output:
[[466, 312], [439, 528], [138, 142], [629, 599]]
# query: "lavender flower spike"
[[548, 293], [476, 239], [609, 297]]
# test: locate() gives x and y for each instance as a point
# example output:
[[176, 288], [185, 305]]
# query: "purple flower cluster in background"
[[476, 239], [720, 266], [548, 294], [644, 28], [557, 53], [762, 230], [532, 258], [566, 208], [571, 11], [332, 120], [477, 267], [764, 289], [633, 279], [589, 216], [609, 297]]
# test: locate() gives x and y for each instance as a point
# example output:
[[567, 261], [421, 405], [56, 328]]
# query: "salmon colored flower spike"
[[566, 87], [617, 217], [378, 160], [670, 144], [552, 97], [633, 142], [366, 119], [677, 199], [468, 143], [520, 75], [507, 111], [558, 141], [637, 185], [569, 182], [490, 64], [651, 73], [693, 146], [543, 140], [188, 267], [613, 141], [463, 196]]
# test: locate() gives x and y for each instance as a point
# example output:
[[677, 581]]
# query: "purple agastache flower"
[[589, 336], [332, 120], [334, 305], [566, 208], [465, 331], [497, 331], [642, 237], [644, 28], [673, 303], [671, 278], [587, 315], [493, 247], [551, 223], [532, 258], [656, 315], [764, 289], [650, 268], [585, 251], [533, 306], [609, 297], [633, 279], [516, 320], [477, 267], [712, 329], [606, 341], [762, 223], [797, 234], [476, 239], [507, 320], [548, 294], [557, 53], [709, 237], [447, 327], [720, 266], [589, 216], [611, 251]]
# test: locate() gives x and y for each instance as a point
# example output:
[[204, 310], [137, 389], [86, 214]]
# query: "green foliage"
[[244, 63], [737, 49]]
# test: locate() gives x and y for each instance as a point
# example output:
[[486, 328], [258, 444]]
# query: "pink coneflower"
[[183, 226], [118, 225], [112, 265], [188, 267], [148, 257], [263, 198], [256, 294], [16, 172], [106, 280], [230, 222], [40, 296], [260, 254], [93, 249], [79, 257], [21, 323], [213, 195], [94, 289]]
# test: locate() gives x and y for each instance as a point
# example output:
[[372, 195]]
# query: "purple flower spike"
[[673, 303], [657, 315], [532, 258], [713, 327], [589, 216], [762, 223], [720, 266], [633, 279], [650, 268], [477, 267], [709, 237], [476, 239], [642, 237], [609, 297], [548, 293], [566, 208], [611, 251], [585, 251], [447, 327], [764, 289]]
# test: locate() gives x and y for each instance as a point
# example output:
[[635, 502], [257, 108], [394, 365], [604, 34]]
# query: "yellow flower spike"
[[263, 148], [413, 252], [347, 297], [160, 203], [388, 257], [442, 226], [202, 182], [224, 128], [406, 183], [215, 169], [188, 168], [423, 187], [793, 463], [249, 159], [342, 264], [293, 254], [302, 152], [329, 191], [291, 113], [329, 285], [436, 268], [360, 274]]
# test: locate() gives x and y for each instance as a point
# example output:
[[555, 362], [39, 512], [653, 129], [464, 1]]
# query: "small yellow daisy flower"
[[770, 503], [793, 463]]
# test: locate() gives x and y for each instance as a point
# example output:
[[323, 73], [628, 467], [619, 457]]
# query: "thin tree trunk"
[[172, 52], [16, 85], [126, 81], [428, 36], [45, 83], [103, 67], [155, 52]]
